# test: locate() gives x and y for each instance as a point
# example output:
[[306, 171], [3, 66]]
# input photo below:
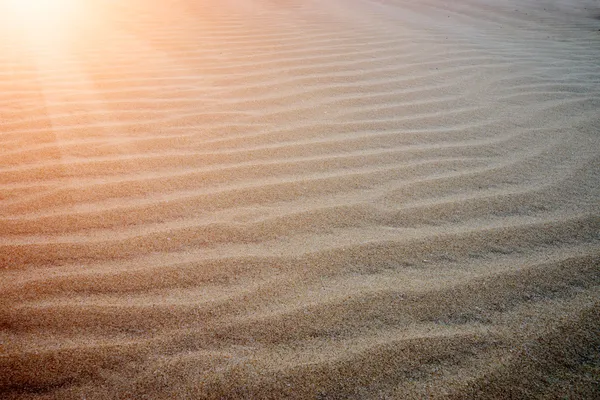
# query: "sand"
[[300, 199]]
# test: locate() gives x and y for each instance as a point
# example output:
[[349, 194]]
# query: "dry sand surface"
[[300, 199]]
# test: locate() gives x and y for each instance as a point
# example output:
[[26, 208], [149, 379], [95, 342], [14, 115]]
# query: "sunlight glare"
[[45, 25], [41, 14]]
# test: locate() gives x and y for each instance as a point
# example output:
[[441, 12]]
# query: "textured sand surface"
[[301, 199]]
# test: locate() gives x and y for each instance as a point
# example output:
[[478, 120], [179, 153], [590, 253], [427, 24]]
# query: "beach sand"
[[344, 199]]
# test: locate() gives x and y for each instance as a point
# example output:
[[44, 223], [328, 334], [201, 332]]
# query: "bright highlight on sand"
[[44, 26], [41, 12]]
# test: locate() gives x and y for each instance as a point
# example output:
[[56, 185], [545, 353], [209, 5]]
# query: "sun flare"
[[39, 8], [41, 14], [43, 24]]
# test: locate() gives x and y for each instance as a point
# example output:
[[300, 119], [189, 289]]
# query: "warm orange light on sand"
[[42, 19], [45, 27], [41, 10]]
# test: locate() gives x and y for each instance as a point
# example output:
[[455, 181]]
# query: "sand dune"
[[303, 199]]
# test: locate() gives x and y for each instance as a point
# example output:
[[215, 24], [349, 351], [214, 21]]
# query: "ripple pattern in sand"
[[301, 199]]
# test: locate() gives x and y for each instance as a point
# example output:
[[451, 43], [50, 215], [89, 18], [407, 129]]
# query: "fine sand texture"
[[303, 199]]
